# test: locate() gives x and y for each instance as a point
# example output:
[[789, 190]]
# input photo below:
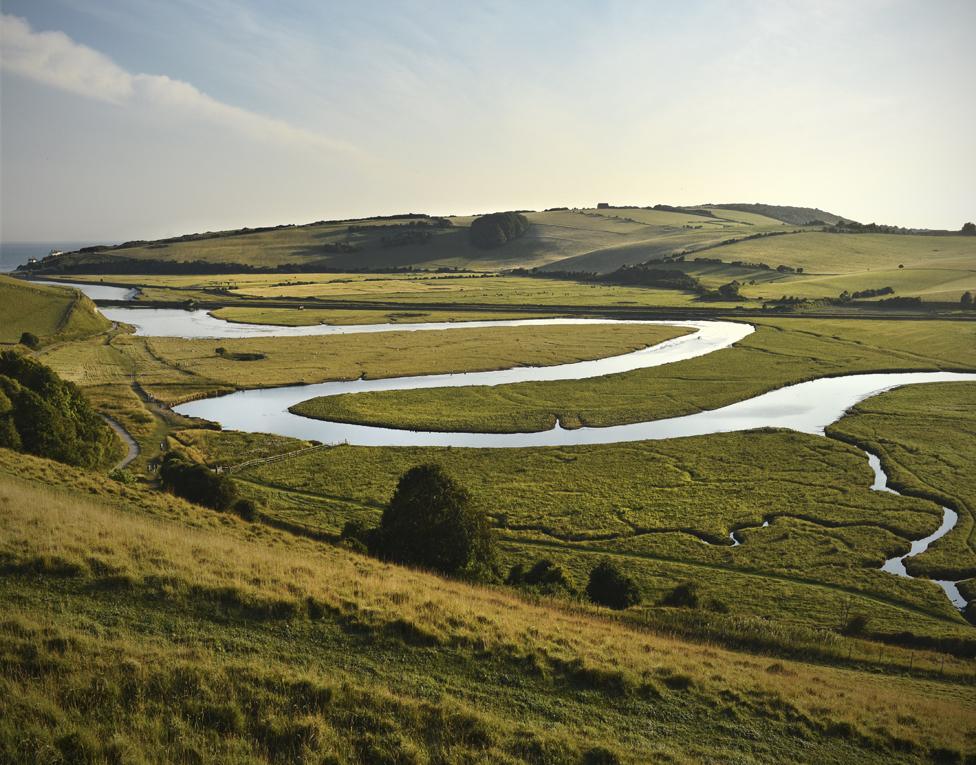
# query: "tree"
[[430, 522], [544, 575], [197, 483], [611, 587], [684, 595], [968, 229], [966, 300], [30, 340]]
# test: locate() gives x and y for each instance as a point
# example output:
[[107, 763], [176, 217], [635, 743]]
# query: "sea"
[[13, 254]]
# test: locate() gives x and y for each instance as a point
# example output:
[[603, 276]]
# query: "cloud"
[[55, 60]]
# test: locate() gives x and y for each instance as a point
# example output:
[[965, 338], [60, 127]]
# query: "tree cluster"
[[497, 229], [199, 484], [44, 415]]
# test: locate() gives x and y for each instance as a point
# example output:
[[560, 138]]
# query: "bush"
[[544, 575], [856, 625], [430, 523], [44, 415], [246, 509], [497, 229], [196, 483], [30, 340], [683, 596], [609, 586]]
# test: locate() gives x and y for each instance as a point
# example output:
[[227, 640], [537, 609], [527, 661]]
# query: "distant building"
[[602, 205], [31, 261], [55, 253]]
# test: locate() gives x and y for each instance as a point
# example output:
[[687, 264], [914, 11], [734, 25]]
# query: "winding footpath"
[[807, 407]]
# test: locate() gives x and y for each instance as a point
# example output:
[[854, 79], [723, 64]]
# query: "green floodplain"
[[268, 627]]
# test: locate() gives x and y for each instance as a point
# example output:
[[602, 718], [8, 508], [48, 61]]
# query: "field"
[[172, 666], [135, 622], [51, 313], [780, 352]]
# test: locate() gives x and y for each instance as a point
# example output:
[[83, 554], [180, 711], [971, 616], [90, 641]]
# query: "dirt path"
[[129, 441]]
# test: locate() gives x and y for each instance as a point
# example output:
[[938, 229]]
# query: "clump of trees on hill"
[[497, 229], [968, 229], [44, 415], [610, 586], [431, 523]]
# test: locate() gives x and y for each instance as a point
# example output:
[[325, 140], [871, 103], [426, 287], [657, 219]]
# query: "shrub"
[[685, 595], [196, 482], [122, 476], [247, 509], [544, 575], [966, 301], [30, 340], [44, 415], [856, 625], [430, 522], [497, 229], [609, 586]]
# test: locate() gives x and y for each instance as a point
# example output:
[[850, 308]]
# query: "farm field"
[[524, 675]]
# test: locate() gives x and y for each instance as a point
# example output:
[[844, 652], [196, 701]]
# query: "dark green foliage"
[[611, 587], [543, 574], [246, 509], [856, 625], [30, 340], [430, 523], [684, 595], [966, 300], [497, 229], [197, 483], [968, 229], [44, 415]]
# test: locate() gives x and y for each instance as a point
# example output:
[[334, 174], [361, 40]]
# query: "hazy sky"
[[145, 118]]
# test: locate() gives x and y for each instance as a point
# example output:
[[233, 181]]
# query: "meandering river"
[[808, 407]]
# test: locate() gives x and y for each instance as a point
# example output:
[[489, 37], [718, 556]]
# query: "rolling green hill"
[[51, 313]]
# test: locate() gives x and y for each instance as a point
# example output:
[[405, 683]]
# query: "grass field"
[[181, 630], [394, 354], [51, 313], [780, 352], [925, 435]]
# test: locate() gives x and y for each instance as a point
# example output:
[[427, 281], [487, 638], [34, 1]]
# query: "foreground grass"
[[780, 352], [227, 642], [51, 313]]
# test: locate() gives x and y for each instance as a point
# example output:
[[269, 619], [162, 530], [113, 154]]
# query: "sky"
[[124, 119]]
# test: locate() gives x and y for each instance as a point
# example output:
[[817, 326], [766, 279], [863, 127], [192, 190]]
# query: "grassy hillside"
[[181, 631], [626, 236], [51, 313]]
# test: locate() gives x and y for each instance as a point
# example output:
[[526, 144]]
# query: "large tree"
[[430, 522]]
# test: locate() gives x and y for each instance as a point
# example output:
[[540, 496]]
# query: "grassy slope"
[[780, 352], [210, 640], [626, 236], [51, 313]]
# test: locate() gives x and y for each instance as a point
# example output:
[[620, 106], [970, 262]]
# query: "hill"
[[798, 216], [605, 238], [50, 313], [189, 632]]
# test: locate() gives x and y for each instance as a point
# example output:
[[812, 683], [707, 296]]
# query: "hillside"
[[587, 239], [797, 216], [186, 631], [51, 313]]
